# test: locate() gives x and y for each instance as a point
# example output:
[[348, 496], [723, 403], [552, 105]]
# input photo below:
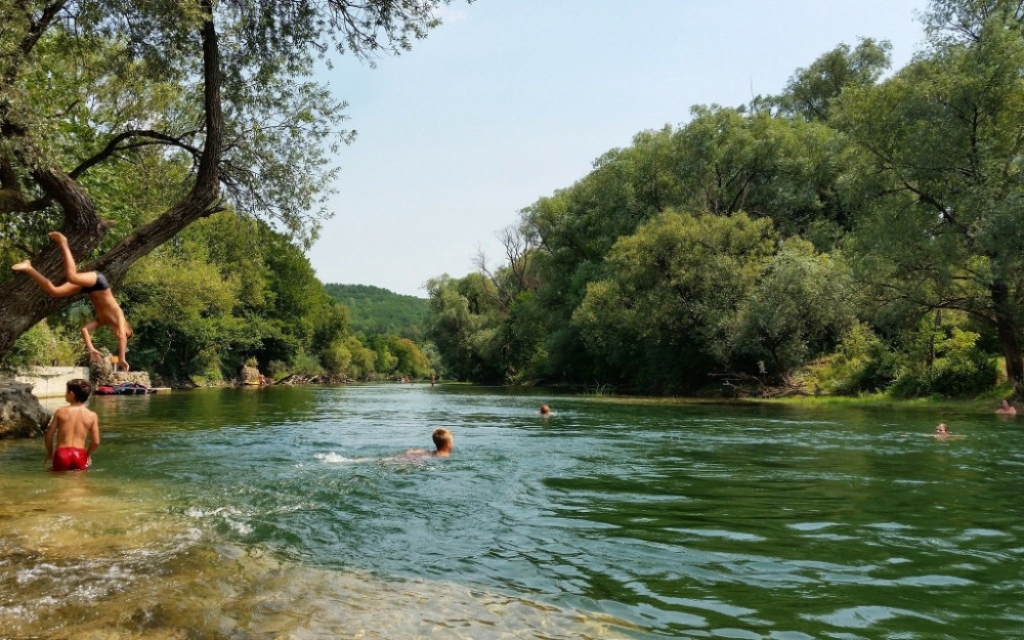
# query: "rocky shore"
[[21, 414]]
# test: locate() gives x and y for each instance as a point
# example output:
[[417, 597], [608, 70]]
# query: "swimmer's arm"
[[94, 437], [49, 436]]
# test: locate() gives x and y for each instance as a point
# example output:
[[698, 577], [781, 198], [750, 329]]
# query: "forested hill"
[[376, 310]]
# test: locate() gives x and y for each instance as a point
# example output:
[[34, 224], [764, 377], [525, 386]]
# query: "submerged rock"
[[21, 415]]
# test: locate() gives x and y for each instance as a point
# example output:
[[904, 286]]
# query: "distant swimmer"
[[1006, 409], [443, 441], [73, 426], [942, 432], [545, 410]]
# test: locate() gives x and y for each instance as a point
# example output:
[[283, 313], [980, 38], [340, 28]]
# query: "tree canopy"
[[862, 230], [123, 123]]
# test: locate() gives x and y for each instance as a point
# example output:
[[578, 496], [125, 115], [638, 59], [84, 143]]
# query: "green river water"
[[289, 513]]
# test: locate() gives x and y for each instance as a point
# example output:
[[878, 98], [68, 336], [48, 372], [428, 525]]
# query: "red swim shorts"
[[69, 459]]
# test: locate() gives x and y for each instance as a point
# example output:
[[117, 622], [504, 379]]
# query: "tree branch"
[[114, 146]]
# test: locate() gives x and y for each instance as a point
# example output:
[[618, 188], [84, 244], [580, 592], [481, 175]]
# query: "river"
[[291, 513]]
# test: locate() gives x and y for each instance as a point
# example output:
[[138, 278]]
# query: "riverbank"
[[979, 406]]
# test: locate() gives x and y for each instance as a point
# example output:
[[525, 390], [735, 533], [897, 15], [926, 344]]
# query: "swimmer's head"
[[544, 409], [942, 429], [80, 389], [443, 438]]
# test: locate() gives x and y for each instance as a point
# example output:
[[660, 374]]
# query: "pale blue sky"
[[510, 100]]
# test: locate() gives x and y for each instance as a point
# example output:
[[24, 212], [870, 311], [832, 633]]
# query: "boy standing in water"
[[73, 425], [94, 283]]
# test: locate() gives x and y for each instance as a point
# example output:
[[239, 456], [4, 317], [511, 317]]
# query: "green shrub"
[[863, 364], [44, 346], [206, 369], [277, 369], [32, 348], [962, 371], [306, 365], [336, 358]]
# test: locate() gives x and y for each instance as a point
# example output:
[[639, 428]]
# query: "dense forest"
[[861, 231], [376, 310]]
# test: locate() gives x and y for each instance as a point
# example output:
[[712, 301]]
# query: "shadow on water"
[[290, 512]]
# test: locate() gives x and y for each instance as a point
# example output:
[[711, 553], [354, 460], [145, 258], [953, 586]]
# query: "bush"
[[336, 358], [31, 348], [306, 365], [963, 371], [277, 369], [43, 346], [207, 369], [863, 364]]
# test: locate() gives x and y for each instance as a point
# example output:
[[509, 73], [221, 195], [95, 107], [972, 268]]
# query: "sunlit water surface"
[[284, 513]]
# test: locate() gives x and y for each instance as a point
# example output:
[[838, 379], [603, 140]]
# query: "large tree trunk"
[[1009, 337], [23, 304]]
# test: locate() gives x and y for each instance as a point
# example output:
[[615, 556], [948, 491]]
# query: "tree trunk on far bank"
[[1009, 338]]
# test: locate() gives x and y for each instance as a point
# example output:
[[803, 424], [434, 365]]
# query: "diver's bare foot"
[[24, 265], [58, 237]]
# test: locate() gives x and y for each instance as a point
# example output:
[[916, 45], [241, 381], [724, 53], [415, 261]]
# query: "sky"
[[510, 100]]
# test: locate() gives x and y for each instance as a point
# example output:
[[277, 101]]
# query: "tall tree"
[[810, 92], [666, 311], [946, 134], [86, 85]]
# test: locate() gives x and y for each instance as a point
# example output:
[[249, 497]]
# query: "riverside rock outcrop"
[[21, 415], [101, 372]]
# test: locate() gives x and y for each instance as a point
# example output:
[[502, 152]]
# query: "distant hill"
[[376, 310]]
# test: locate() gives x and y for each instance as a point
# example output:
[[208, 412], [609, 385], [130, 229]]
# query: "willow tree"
[[207, 103], [946, 136]]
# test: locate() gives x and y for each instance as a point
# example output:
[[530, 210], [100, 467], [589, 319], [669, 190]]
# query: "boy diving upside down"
[[94, 283]]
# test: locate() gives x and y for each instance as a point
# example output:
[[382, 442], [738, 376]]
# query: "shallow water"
[[285, 513]]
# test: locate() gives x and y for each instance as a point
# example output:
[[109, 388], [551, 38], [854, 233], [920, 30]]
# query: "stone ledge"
[[50, 382], [21, 415]]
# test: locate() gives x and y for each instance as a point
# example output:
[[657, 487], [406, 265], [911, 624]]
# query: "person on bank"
[[443, 443], [73, 426], [1006, 409], [94, 283]]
